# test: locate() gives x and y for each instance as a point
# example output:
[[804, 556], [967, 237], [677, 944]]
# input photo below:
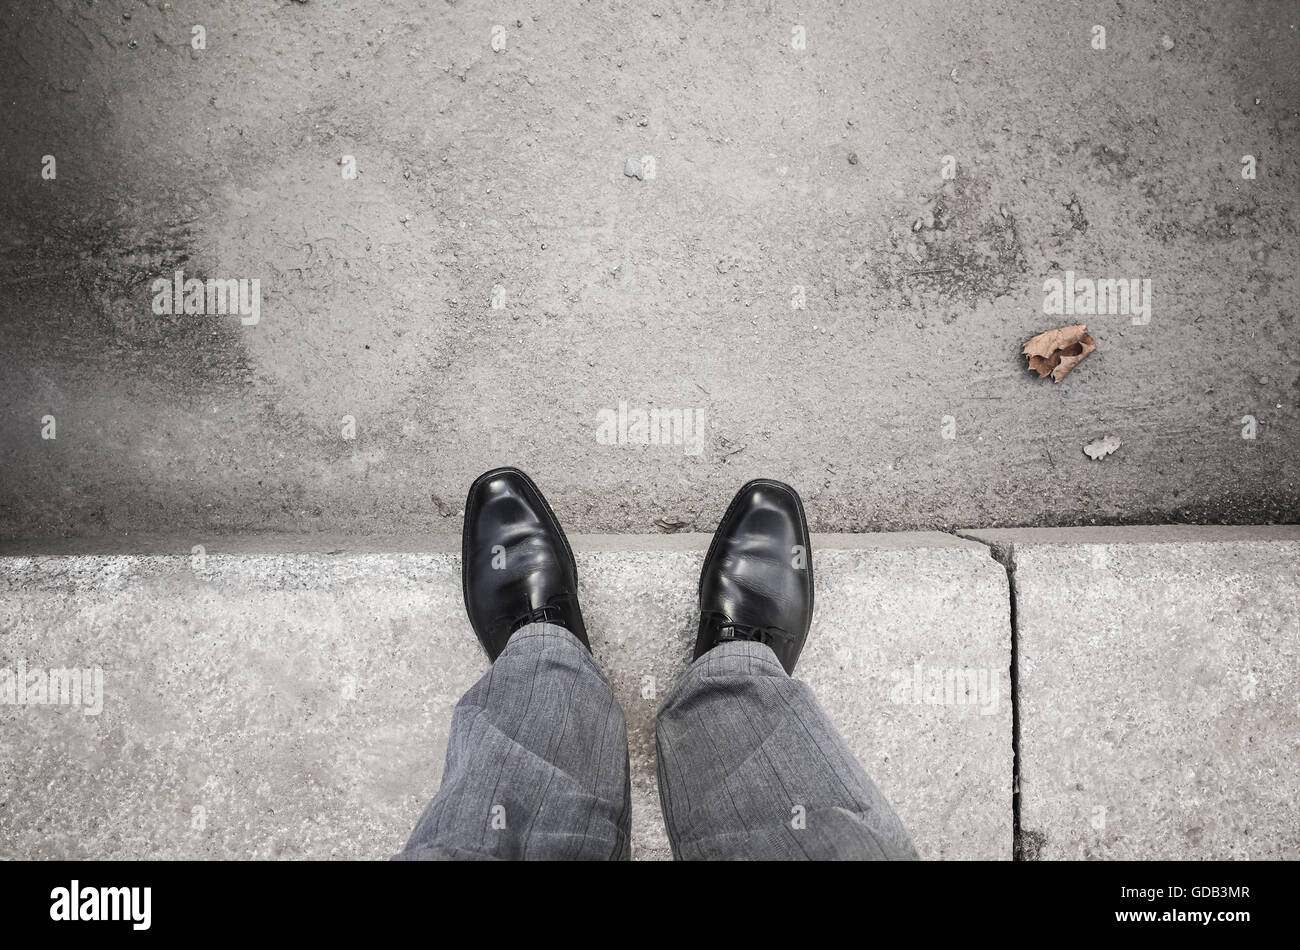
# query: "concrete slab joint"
[[1155, 673]]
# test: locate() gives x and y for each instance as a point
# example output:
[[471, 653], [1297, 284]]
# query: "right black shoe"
[[516, 564], [757, 582]]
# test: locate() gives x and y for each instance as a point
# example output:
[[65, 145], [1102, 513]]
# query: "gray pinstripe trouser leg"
[[536, 761], [749, 766]]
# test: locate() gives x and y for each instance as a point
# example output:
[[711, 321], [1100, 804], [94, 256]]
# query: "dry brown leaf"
[[1058, 351]]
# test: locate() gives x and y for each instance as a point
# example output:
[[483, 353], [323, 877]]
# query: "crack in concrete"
[[1025, 845]]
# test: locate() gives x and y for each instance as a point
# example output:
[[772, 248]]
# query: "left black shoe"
[[757, 582], [516, 564]]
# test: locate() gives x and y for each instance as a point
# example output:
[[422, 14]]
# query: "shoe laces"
[[750, 632], [546, 614]]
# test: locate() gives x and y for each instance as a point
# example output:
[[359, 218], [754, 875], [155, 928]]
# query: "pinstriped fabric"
[[537, 764], [749, 765], [751, 768]]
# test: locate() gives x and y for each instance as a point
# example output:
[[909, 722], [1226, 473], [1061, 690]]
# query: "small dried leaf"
[[1098, 449], [1058, 351]]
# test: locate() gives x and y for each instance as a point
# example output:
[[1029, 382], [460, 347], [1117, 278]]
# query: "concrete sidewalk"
[[261, 705], [265, 700], [1158, 676]]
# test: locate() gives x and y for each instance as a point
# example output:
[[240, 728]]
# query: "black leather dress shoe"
[[757, 582], [516, 564]]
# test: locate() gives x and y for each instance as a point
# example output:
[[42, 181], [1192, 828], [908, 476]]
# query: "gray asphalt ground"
[[774, 168]]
